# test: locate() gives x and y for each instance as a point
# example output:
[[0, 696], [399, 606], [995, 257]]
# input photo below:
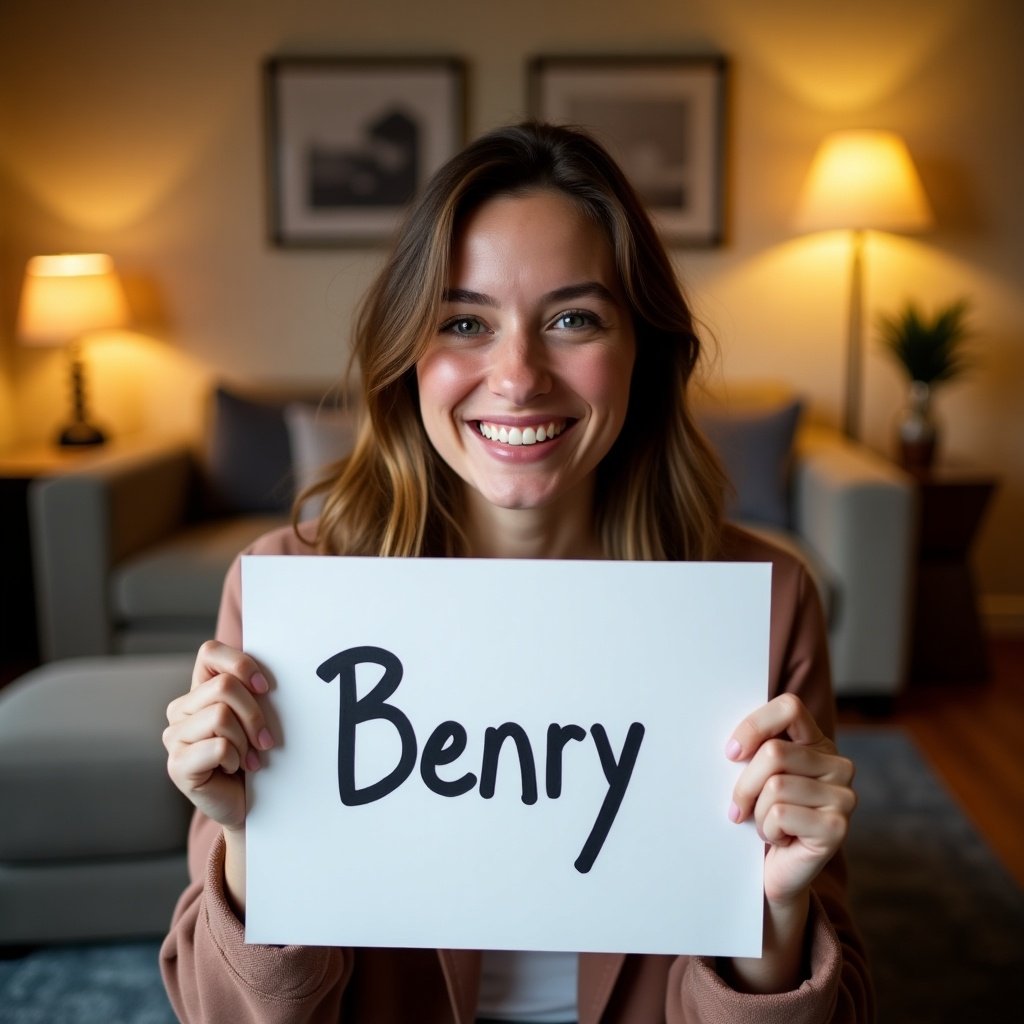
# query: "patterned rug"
[[943, 921], [95, 984]]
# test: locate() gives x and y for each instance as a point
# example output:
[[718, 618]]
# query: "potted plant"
[[931, 352]]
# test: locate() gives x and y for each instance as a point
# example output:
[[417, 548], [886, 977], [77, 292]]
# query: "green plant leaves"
[[930, 350]]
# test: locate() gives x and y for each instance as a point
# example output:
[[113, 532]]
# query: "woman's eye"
[[465, 326], [573, 320]]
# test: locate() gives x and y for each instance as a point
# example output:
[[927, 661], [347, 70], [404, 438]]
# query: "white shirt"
[[528, 987]]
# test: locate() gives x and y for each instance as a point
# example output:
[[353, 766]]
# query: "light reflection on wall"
[[782, 314], [818, 51]]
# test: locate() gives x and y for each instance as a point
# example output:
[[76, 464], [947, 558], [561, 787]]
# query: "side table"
[[19, 648], [948, 644]]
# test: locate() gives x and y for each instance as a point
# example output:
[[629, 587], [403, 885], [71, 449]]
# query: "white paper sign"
[[531, 754]]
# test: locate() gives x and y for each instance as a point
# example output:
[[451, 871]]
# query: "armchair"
[[130, 553]]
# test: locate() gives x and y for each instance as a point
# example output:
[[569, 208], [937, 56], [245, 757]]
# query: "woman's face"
[[525, 384]]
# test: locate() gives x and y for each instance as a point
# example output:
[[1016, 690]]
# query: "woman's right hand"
[[216, 730]]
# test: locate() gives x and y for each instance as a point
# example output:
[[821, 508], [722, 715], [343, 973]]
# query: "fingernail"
[[259, 682], [733, 749], [265, 740], [734, 812], [252, 761]]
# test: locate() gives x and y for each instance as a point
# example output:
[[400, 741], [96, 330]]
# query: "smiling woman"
[[581, 268], [525, 357]]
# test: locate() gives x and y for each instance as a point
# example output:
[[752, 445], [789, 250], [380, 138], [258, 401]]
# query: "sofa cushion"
[[755, 445], [181, 579], [82, 769]]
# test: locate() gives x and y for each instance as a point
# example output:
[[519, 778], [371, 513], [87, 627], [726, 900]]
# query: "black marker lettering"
[[446, 743], [558, 737], [493, 739], [352, 711], [618, 774]]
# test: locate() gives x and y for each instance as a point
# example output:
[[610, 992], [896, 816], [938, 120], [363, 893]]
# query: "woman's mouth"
[[515, 436]]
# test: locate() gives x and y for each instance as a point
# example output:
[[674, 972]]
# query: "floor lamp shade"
[[63, 298], [861, 180]]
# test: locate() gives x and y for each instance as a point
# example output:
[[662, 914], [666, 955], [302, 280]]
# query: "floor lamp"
[[63, 298], [861, 180]]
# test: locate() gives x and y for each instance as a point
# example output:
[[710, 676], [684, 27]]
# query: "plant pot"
[[917, 431]]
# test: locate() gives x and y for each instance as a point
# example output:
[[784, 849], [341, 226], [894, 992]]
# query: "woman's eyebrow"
[[586, 289], [470, 297]]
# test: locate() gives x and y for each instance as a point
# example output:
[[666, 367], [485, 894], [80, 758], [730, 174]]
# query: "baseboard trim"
[[1003, 614]]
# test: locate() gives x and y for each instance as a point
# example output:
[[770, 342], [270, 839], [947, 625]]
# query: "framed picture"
[[662, 118], [350, 141]]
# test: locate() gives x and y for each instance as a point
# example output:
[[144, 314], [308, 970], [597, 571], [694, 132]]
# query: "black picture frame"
[[351, 140], [661, 117]]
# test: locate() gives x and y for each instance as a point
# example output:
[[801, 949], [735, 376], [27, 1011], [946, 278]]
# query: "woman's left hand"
[[798, 790]]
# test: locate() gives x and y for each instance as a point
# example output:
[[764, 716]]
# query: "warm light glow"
[[863, 179], [857, 59], [69, 295]]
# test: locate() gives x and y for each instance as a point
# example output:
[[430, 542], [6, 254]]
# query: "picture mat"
[[694, 90], [679, 647], [335, 106]]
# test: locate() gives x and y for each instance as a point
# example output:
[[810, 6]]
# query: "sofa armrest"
[[857, 513], [85, 522]]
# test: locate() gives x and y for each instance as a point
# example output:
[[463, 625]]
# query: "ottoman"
[[92, 831]]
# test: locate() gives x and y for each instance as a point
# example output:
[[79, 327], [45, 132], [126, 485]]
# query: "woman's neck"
[[564, 531]]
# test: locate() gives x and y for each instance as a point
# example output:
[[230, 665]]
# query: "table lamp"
[[63, 298], [861, 180]]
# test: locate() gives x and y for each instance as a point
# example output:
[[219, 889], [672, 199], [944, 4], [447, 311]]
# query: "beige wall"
[[135, 128]]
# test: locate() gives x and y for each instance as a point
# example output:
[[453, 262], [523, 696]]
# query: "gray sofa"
[[130, 553]]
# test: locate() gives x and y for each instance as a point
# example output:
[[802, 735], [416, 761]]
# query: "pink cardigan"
[[212, 975]]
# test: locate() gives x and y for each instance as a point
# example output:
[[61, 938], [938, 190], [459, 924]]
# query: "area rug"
[[92, 984], [943, 922], [942, 919]]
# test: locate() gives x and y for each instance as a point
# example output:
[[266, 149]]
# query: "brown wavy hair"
[[659, 490]]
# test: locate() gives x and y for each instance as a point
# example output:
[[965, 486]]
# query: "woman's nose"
[[519, 370]]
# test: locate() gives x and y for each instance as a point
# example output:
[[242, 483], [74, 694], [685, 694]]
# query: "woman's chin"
[[518, 500], [526, 495]]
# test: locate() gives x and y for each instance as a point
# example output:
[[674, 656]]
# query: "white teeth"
[[526, 436]]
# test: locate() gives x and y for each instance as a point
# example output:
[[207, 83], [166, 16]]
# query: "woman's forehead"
[[541, 237]]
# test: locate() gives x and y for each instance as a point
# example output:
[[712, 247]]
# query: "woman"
[[525, 356]]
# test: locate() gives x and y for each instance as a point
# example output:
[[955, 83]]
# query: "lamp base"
[[80, 435]]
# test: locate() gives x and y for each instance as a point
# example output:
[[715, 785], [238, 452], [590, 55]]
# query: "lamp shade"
[[66, 296], [863, 179]]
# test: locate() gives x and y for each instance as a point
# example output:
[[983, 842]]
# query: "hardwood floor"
[[973, 735]]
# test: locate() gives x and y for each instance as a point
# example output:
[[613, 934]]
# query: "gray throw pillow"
[[317, 438], [755, 446], [249, 462]]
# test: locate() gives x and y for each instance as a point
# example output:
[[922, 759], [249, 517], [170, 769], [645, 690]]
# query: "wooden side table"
[[19, 648], [948, 644]]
